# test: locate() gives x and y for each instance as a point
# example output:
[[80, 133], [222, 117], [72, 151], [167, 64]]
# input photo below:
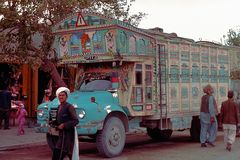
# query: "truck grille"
[[53, 114]]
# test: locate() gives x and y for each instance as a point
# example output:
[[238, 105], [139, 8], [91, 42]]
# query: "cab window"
[[138, 74]]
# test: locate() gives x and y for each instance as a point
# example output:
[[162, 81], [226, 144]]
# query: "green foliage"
[[233, 37], [118, 9], [21, 19]]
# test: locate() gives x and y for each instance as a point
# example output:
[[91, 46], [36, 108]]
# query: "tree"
[[22, 20], [233, 37]]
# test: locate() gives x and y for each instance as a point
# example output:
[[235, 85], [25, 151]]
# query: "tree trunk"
[[49, 67]]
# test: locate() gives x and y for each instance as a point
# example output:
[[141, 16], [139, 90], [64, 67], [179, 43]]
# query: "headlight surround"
[[75, 106], [40, 113], [81, 114]]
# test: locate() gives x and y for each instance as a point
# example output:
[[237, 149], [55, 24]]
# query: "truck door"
[[137, 95], [141, 99]]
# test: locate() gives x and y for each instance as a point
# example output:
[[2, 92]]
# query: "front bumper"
[[42, 128]]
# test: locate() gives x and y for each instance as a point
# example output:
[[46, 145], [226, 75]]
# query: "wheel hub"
[[114, 138]]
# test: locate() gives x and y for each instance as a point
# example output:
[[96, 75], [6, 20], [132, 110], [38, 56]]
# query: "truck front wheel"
[[111, 140], [51, 141]]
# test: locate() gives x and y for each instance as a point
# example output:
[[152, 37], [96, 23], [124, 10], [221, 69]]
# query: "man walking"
[[208, 112], [5, 106], [229, 120]]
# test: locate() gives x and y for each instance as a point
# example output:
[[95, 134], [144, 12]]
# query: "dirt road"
[[141, 147]]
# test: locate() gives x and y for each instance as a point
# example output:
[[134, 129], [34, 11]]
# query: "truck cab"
[[107, 97]]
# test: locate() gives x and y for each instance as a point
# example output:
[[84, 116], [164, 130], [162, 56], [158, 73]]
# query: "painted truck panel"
[[190, 67]]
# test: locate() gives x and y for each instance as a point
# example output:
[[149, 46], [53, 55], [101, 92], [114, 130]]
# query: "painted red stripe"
[[115, 79]]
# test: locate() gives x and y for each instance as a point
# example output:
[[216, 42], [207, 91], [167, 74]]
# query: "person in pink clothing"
[[21, 113]]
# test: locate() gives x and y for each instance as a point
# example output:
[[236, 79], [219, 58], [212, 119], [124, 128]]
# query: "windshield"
[[96, 85]]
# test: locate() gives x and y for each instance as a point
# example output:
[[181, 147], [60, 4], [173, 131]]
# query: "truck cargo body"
[[184, 69]]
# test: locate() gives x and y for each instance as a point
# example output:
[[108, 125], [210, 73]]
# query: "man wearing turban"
[[66, 121], [208, 112]]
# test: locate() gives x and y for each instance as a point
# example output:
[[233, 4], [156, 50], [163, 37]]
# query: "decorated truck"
[[126, 78]]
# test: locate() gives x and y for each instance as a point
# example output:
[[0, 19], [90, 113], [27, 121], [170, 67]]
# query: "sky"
[[195, 19]]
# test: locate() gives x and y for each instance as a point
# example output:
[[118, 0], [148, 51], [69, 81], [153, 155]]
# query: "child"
[[21, 113], [15, 92]]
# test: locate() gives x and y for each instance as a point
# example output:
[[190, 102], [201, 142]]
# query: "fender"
[[95, 116]]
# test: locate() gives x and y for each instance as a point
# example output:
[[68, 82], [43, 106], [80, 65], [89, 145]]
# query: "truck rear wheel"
[[195, 129], [51, 141], [111, 140], [159, 135]]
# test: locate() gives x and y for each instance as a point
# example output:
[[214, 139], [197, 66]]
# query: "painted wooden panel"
[[185, 97], [89, 37], [101, 44], [190, 68], [195, 96], [78, 20], [174, 98]]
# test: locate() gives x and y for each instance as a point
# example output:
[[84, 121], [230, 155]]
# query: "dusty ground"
[[141, 147]]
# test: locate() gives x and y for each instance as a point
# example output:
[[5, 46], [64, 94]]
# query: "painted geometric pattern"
[[101, 42]]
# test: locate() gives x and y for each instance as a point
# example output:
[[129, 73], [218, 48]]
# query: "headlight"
[[81, 114], [75, 106], [40, 113]]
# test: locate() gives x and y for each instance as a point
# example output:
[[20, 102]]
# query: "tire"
[[51, 141], [159, 135], [195, 129], [111, 140]]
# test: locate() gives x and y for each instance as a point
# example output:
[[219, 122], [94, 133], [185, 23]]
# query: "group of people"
[[6, 101], [66, 121], [15, 85], [10, 98], [228, 118]]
